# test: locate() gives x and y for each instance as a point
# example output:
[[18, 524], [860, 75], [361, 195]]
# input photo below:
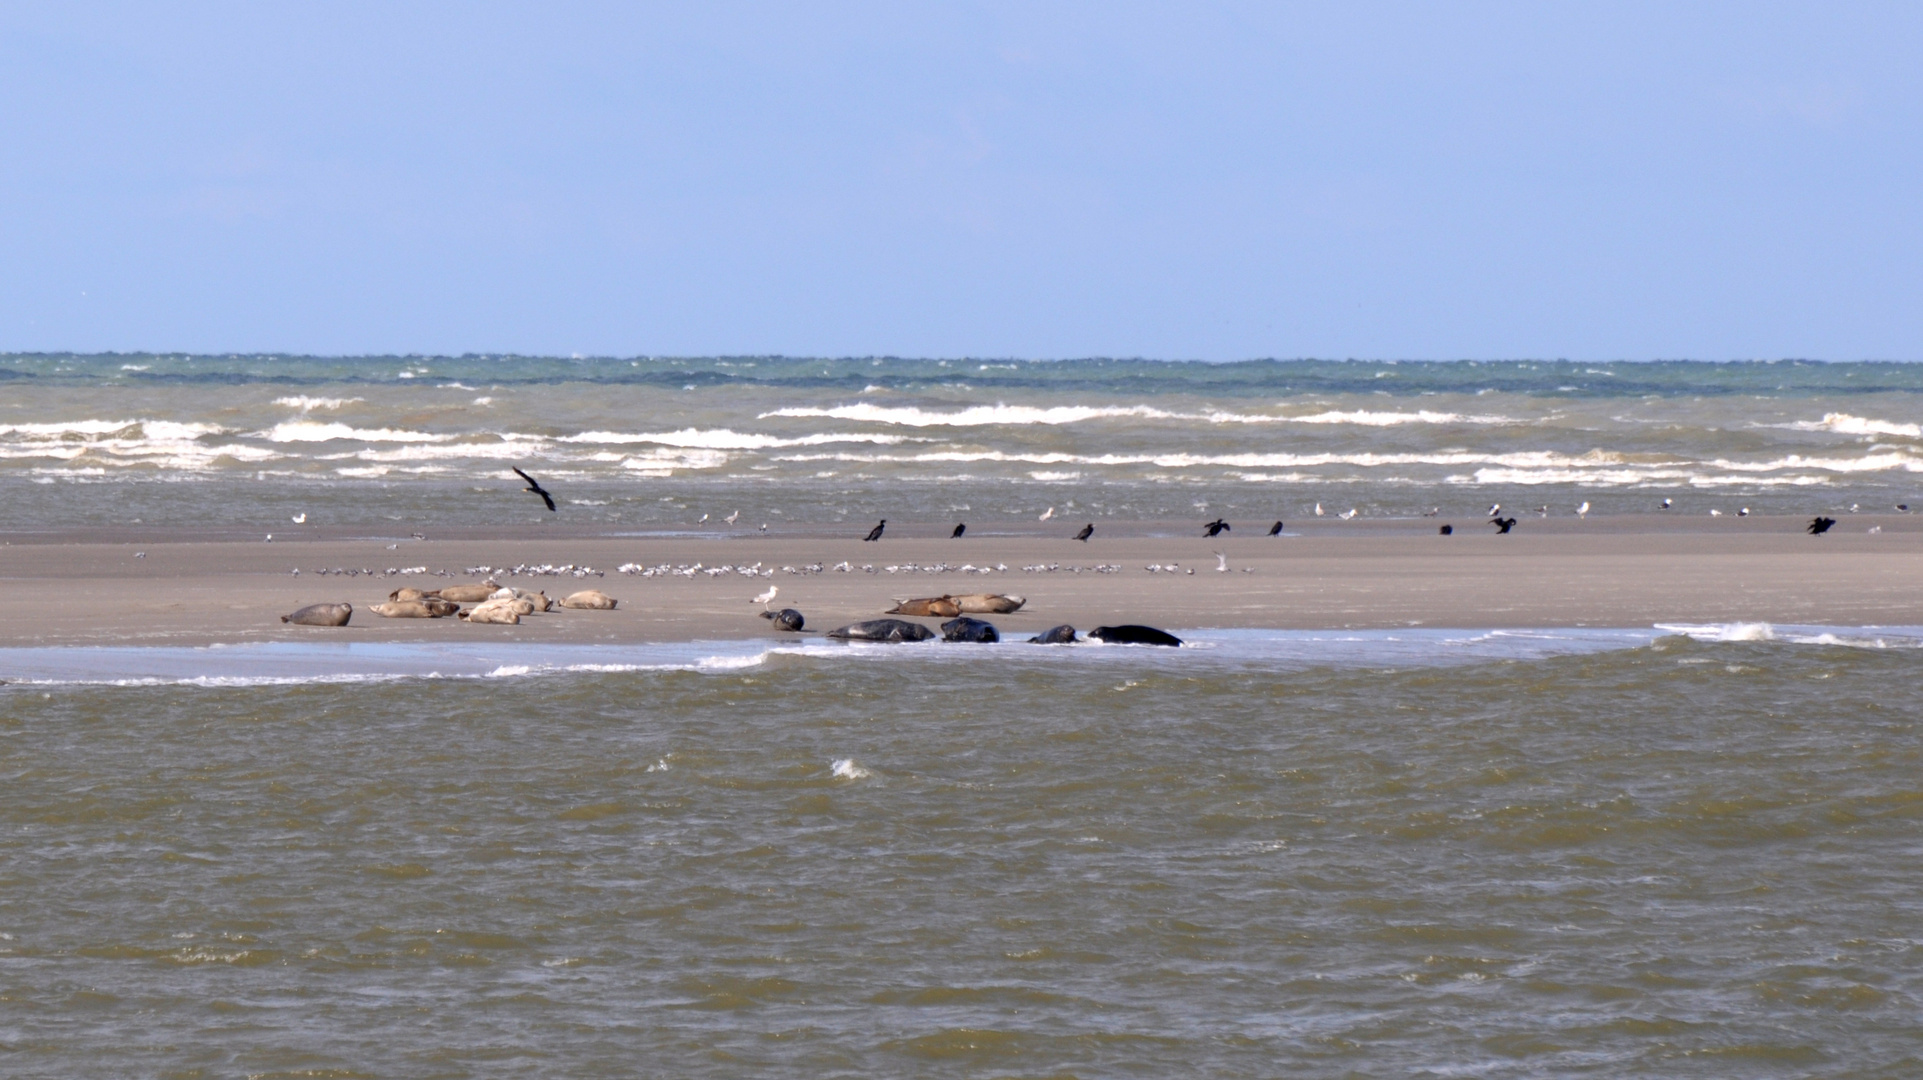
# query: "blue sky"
[[1590, 181]]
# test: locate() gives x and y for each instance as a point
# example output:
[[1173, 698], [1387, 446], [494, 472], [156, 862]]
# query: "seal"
[[494, 611], [438, 607], [590, 600], [321, 615], [941, 607], [988, 604], [785, 619], [1133, 635], [967, 629], [883, 630], [1055, 635], [468, 594], [405, 609], [411, 594]]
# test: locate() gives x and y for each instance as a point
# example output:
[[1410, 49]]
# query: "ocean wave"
[[1859, 637], [1004, 414], [316, 431], [127, 430], [309, 404], [1178, 460], [1845, 424], [725, 439]]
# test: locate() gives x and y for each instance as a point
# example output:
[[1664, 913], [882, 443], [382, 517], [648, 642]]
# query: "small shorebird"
[[300, 518], [1664, 505], [534, 487], [1087, 531], [1046, 514], [1583, 510], [1318, 509], [1349, 513], [768, 597], [875, 533], [732, 518], [1221, 563]]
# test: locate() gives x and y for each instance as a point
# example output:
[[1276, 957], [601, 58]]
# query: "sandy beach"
[[189, 589]]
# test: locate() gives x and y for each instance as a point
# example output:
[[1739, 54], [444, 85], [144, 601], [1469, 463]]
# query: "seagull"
[[1221, 563], [1583, 510], [1853, 508], [1744, 512], [536, 488], [300, 518], [1819, 525], [1275, 529], [764, 527], [1215, 528], [1087, 531], [732, 518], [1664, 505], [1046, 514], [875, 533], [704, 517], [768, 597], [1503, 525], [1494, 509], [1432, 511], [959, 529], [1349, 513], [1715, 513], [1318, 509], [270, 538]]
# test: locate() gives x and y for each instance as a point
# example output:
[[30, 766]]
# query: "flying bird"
[[959, 529], [1494, 509], [768, 597], [535, 487], [1503, 525], [1046, 514], [1820, 525], [1215, 528], [875, 533], [1087, 531], [1275, 529]]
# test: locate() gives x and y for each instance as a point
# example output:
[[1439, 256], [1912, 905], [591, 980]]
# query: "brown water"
[[1685, 859]]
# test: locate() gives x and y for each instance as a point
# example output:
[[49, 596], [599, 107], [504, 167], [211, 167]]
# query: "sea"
[[1673, 851]]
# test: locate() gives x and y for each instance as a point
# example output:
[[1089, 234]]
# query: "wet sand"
[[70, 590]]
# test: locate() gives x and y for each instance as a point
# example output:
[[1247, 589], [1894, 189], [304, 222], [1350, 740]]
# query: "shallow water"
[[1660, 856], [423, 442]]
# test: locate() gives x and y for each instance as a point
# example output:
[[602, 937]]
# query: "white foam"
[[1845, 424], [316, 431], [724, 439], [308, 404], [846, 769], [999, 414]]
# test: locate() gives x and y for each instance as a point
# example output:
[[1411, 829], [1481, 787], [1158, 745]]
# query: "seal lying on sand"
[[494, 611], [411, 594], [1133, 635], [988, 603], [785, 619], [884, 630], [1055, 635], [965, 629], [467, 594], [412, 609], [321, 615], [590, 600], [942, 607], [540, 600]]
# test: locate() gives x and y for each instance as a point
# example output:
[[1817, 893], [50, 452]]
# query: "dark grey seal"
[[785, 619], [321, 615], [883, 630], [1133, 635], [967, 629], [1055, 635]]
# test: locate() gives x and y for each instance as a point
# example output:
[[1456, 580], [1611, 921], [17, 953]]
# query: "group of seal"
[[492, 604], [946, 606]]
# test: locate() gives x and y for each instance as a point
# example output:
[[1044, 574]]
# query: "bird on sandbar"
[[1820, 525], [875, 533], [1583, 510], [1275, 529], [300, 518], [1318, 509], [1087, 531], [1046, 514], [1221, 563], [1664, 505], [732, 518], [768, 597], [1348, 514], [535, 487], [1503, 525], [959, 529], [1215, 528]]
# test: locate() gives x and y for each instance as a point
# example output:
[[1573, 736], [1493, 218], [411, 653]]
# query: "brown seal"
[[410, 594], [467, 594], [494, 611], [590, 600], [989, 604], [407, 609], [321, 615], [939, 606]]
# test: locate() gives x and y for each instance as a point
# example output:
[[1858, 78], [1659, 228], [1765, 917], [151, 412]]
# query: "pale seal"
[[785, 619], [494, 611], [942, 607], [1133, 635], [467, 594], [407, 609], [971, 630], [988, 604], [321, 615], [590, 600], [883, 630]]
